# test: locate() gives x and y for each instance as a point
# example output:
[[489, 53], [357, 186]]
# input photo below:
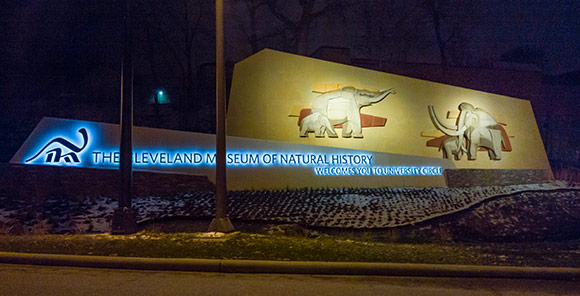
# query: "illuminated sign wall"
[[273, 93], [297, 122], [251, 163]]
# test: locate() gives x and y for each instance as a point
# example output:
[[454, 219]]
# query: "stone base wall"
[[493, 177], [37, 183]]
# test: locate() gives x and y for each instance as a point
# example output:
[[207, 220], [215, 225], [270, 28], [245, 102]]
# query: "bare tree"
[[176, 29], [296, 19], [396, 29], [451, 21], [437, 14], [176, 34], [250, 31], [387, 29]]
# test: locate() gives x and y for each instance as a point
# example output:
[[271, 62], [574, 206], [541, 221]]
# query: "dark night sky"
[[551, 26], [497, 26], [51, 50]]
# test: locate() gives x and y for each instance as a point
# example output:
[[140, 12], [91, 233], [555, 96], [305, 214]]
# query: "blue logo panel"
[[60, 144], [95, 145]]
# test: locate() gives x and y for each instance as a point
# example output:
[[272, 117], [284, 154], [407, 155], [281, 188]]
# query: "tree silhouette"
[[174, 41], [296, 19], [386, 27], [451, 21]]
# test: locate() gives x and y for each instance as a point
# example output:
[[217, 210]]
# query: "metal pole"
[[124, 217], [221, 222]]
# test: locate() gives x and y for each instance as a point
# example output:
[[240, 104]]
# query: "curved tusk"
[[433, 116], [447, 129]]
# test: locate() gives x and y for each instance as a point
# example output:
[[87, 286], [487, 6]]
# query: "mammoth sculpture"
[[476, 127], [341, 107]]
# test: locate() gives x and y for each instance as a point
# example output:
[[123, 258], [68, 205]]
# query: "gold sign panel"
[[293, 99]]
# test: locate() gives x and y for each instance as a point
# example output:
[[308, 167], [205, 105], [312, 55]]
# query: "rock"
[[211, 234], [288, 229]]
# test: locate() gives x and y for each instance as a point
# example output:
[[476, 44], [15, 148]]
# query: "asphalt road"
[[42, 280]]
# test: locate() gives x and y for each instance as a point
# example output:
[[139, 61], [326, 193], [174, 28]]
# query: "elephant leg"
[[450, 148], [328, 127], [353, 116], [356, 128], [346, 129], [459, 150], [446, 153], [473, 144], [496, 140], [472, 155], [446, 149], [491, 139], [497, 152], [491, 154], [319, 131], [331, 132], [456, 150], [308, 124], [457, 154], [303, 129]]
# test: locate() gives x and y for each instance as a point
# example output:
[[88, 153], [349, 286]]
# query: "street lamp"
[[221, 222], [124, 221]]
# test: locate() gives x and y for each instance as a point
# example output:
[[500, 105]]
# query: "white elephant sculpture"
[[450, 146], [318, 124], [342, 107], [477, 127]]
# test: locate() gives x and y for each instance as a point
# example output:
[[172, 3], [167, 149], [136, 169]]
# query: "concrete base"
[[221, 225], [124, 221], [494, 177]]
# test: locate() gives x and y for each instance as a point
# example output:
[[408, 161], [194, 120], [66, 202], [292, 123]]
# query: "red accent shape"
[[366, 120], [369, 120], [506, 145], [437, 141], [303, 113]]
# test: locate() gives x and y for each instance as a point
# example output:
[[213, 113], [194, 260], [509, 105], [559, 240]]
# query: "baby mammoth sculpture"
[[340, 107], [475, 128], [450, 146], [318, 124]]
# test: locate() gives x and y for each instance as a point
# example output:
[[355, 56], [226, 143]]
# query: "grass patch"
[[279, 247]]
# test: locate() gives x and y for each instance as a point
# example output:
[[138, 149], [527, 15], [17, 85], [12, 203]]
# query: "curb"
[[294, 267]]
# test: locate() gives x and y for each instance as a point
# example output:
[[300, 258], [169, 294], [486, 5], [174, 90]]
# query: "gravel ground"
[[526, 216], [340, 208]]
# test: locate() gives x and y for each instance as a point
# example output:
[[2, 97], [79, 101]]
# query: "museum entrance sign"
[[252, 163], [308, 101], [310, 123]]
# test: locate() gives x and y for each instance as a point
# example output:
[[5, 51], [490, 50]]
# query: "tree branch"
[[275, 10]]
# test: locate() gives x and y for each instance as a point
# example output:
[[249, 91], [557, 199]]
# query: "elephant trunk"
[[378, 96]]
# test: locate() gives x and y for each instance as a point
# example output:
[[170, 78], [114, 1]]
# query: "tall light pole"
[[124, 221], [221, 222]]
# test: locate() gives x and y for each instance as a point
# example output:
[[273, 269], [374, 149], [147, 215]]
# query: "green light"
[[160, 97]]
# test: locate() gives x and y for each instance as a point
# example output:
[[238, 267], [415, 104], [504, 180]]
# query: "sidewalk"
[[294, 267]]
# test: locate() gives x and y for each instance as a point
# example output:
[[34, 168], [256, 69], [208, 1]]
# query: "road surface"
[[43, 280]]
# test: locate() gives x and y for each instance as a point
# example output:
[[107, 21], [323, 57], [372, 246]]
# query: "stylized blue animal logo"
[[56, 155]]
